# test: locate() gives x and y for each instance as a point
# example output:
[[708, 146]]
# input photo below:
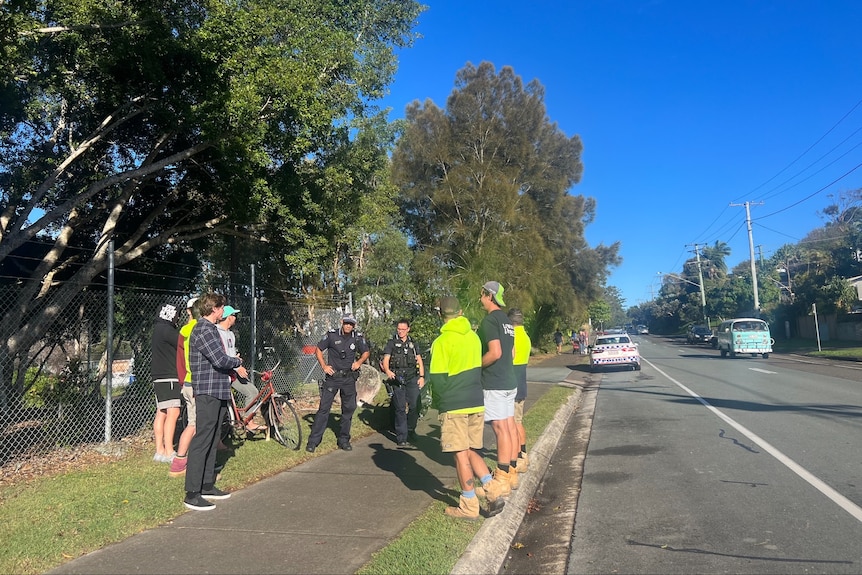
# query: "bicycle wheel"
[[285, 422], [228, 427]]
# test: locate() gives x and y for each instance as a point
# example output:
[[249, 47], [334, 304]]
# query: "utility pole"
[[751, 252], [700, 279]]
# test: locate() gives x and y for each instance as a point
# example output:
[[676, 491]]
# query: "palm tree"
[[714, 256]]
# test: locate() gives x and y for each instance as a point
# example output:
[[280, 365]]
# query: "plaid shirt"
[[210, 364]]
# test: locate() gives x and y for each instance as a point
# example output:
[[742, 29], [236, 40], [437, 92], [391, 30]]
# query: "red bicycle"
[[278, 410]]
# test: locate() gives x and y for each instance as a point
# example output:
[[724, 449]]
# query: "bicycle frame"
[[278, 410]]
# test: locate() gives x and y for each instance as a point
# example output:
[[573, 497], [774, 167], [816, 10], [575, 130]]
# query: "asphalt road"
[[699, 464]]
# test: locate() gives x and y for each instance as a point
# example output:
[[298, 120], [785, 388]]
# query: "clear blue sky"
[[683, 107]]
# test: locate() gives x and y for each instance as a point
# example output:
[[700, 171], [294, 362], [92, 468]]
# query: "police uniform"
[[405, 388], [343, 350]]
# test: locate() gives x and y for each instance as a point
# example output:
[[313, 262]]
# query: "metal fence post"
[[109, 348]]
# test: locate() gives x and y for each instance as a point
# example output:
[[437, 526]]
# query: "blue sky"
[[683, 107]]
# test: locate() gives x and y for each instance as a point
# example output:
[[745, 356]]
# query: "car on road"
[[643, 330], [614, 349], [699, 334], [744, 335]]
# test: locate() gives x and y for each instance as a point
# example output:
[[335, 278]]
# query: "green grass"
[[835, 349], [48, 521], [433, 543]]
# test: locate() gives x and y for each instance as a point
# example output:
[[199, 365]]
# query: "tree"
[[485, 187], [155, 124], [713, 262]]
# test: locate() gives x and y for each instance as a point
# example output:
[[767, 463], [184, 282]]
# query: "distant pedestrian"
[[558, 341], [402, 364], [166, 383], [498, 380], [346, 351], [456, 382], [523, 346], [210, 366]]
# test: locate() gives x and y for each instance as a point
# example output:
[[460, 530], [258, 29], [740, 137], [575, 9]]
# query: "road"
[[699, 464]]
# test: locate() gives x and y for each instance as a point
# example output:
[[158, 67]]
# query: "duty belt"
[[342, 373]]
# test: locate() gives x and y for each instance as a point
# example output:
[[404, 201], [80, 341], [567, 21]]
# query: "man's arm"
[[422, 374], [212, 348], [385, 364], [356, 364], [495, 352], [327, 369]]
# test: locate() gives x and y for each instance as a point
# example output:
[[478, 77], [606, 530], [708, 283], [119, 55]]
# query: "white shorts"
[[499, 404]]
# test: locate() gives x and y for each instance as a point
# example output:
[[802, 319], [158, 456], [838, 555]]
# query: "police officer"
[[347, 352], [402, 364]]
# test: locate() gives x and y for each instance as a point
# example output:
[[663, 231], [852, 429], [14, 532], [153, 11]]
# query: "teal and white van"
[[744, 335]]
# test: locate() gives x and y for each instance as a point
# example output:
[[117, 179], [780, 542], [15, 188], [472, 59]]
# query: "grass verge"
[[833, 349], [49, 521], [433, 543]]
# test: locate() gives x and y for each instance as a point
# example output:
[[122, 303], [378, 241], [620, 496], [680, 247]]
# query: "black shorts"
[[168, 393]]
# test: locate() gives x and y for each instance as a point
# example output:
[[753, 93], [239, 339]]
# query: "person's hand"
[[354, 366], [421, 382], [242, 372], [390, 374], [328, 369]]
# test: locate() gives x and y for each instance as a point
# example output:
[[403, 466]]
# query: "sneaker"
[[403, 444], [346, 447], [178, 466], [310, 448], [214, 493], [198, 503]]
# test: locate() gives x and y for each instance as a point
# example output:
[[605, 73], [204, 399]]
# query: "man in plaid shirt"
[[211, 367]]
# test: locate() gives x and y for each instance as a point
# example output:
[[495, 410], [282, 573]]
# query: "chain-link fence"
[[54, 384]]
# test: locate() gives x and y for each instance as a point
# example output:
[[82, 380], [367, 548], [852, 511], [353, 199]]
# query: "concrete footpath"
[[330, 514]]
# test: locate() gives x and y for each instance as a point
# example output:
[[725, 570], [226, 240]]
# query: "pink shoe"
[[178, 466]]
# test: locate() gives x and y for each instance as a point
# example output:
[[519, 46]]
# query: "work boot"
[[468, 508], [523, 462], [499, 486], [514, 482]]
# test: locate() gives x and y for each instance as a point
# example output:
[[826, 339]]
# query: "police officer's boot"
[[468, 508]]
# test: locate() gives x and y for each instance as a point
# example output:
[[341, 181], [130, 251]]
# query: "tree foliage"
[[485, 195], [155, 124]]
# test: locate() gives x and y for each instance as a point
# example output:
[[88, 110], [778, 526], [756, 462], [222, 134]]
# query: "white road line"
[[812, 480], [762, 370]]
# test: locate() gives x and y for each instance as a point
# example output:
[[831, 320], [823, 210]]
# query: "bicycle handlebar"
[[267, 375]]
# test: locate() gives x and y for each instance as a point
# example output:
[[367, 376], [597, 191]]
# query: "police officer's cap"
[[348, 318]]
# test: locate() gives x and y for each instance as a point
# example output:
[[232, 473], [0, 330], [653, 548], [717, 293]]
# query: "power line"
[[856, 105]]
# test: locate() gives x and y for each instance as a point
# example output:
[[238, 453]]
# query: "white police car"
[[614, 349]]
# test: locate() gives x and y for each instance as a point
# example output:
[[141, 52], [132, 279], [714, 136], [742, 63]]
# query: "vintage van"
[[744, 335]]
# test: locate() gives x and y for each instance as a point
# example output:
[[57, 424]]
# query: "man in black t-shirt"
[[498, 380]]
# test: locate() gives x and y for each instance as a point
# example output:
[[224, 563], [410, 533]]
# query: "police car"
[[614, 349]]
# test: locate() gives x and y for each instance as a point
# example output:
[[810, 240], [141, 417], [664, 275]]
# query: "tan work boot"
[[514, 482], [500, 484], [467, 509], [523, 463]]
